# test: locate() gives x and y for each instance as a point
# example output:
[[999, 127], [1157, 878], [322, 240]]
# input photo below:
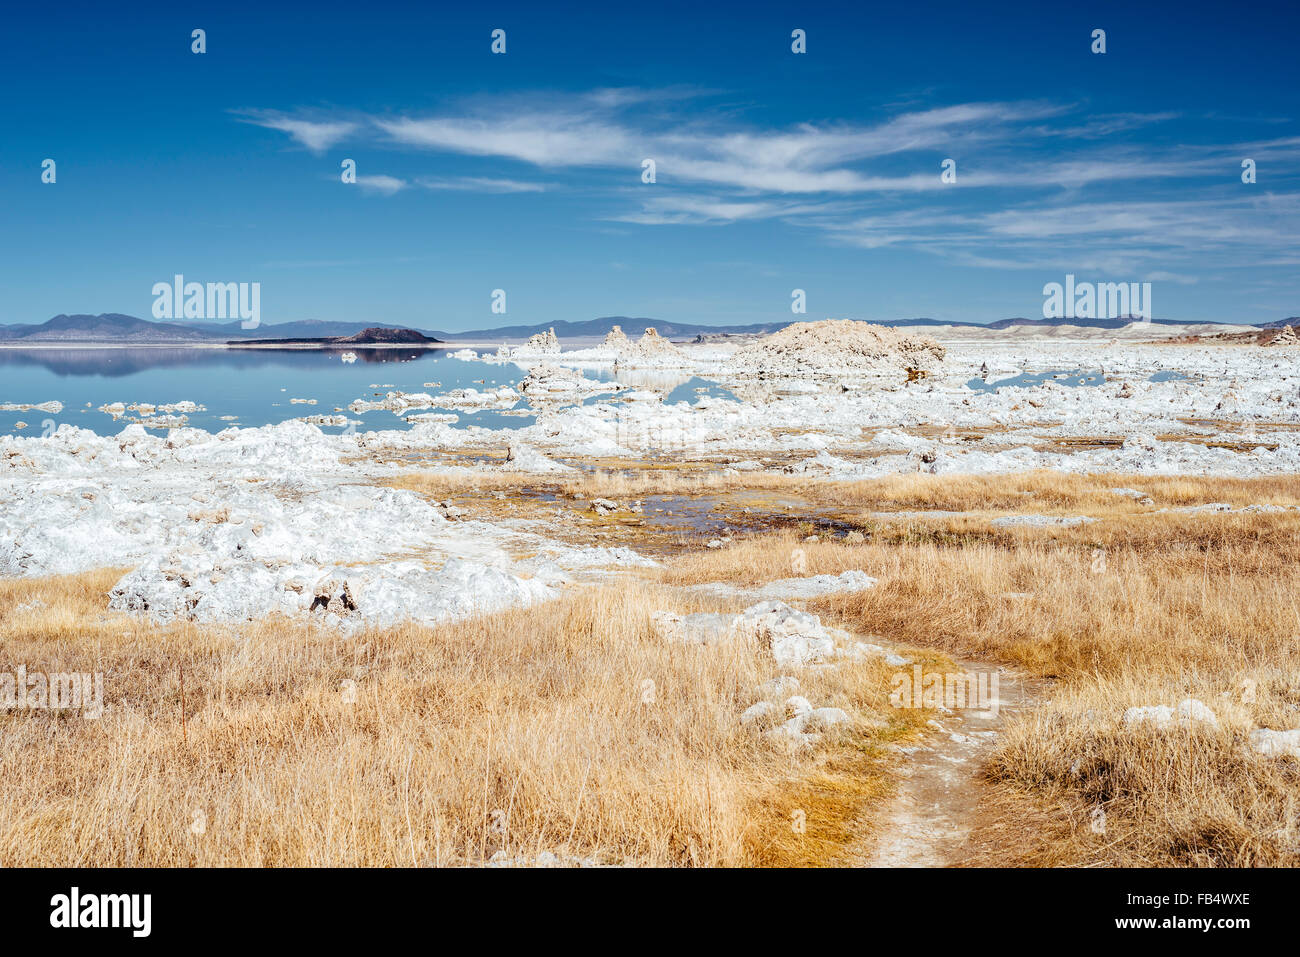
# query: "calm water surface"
[[252, 385]]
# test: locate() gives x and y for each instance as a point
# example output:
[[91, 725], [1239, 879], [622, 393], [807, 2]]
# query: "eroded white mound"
[[250, 522], [839, 346]]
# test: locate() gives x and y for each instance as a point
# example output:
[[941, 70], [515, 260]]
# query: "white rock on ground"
[[525, 458], [794, 588], [763, 712], [1040, 521], [824, 719], [1276, 744], [797, 705], [250, 522], [703, 628], [793, 638], [783, 685], [1190, 711], [791, 737], [543, 859], [804, 726]]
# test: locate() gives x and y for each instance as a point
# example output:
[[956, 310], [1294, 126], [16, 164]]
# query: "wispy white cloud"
[[586, 132], [316, 135], [1159, 236], [685, 208], [483, 184], [381, 183], [1027, 175], [1104, 125], [556, 139]]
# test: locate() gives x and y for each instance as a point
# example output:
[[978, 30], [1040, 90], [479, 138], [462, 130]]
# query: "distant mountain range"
[[121, 329], [118, 328], [115, 327], [109, 327]]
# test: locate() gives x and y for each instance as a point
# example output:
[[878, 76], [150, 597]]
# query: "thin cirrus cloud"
[[1165, 238], [1024, 171], [382, 183], [686, 209], [391, 185], [594, 130], [482, 184], [315, 135], [546, 140], [806, 159]]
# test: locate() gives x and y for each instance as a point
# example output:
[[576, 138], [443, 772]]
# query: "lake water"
[[1075, 378], [252, 385]]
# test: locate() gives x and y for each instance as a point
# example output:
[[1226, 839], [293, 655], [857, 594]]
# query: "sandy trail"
[[939, 801]]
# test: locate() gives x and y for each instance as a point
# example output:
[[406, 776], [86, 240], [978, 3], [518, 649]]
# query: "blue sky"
[[775, 170]]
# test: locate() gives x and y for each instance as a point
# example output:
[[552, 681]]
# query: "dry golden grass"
[[66, 611], [1042, 491], [1044, 607], [681, 479], [1184, 606], [1190, 796], [525, 731], [1047, 491]]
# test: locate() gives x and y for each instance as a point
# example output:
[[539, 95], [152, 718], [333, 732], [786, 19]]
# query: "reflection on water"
[[694, 387], [253, 387], [124, 362], [653, 380], [246, 387]]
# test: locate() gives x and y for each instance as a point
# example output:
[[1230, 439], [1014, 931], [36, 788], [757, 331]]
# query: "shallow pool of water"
[[1074, 378], [1028, 380]]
